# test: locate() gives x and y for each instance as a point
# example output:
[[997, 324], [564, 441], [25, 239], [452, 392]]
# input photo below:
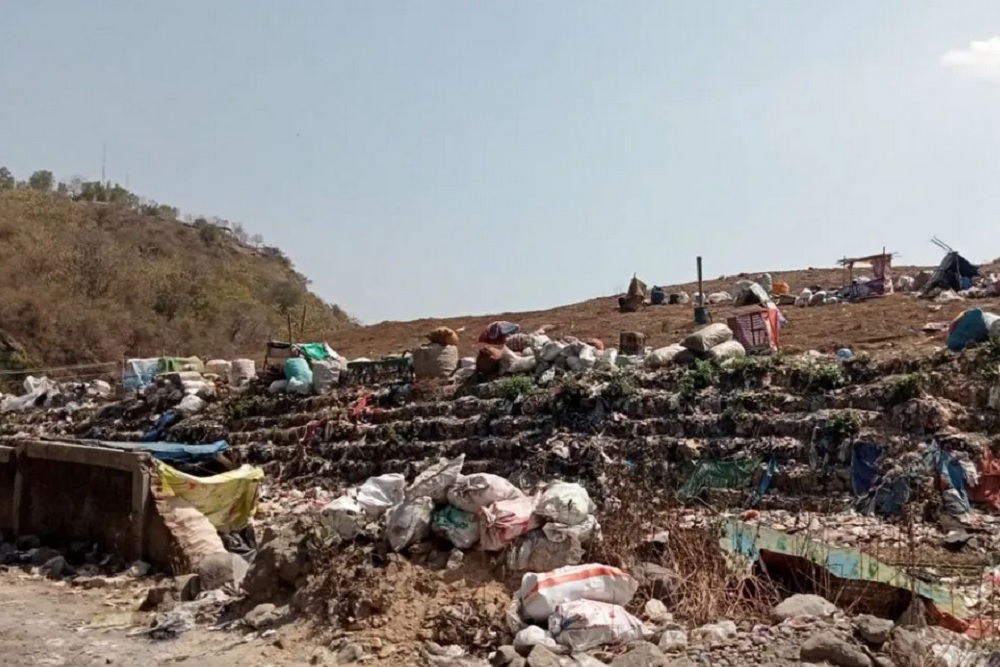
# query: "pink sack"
[[506, 520]]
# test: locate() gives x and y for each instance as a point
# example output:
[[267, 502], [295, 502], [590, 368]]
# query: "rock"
[[826, 646], [42, 555], [139, 569], [883, 661], [875, 631], [542, 657], [908, 649], [54, 568], [350, 653], [657, 580], [282, 560], [673, 641], [715, 633], [804, 605], [27, 543], [217, 570], [657, 612], [531, 636], [155, 597], [187, 586], [506, 656], [643, 655], [262, 616]]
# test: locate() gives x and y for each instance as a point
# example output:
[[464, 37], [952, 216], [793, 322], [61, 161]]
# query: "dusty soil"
[[49, 623], [880, 326]]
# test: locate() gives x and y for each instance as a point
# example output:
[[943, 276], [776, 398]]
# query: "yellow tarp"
[[228, 500]]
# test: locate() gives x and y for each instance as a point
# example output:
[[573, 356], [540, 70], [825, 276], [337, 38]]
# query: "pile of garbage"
[[304, 375], [540, 531], [45, 393]]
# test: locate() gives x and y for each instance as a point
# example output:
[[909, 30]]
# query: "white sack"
[[472, 493], [408, 523], [540, 593], [437, 479], [565, 502], [585, 624]]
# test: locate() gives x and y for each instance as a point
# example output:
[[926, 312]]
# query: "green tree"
[[7, 180], [42, 180]]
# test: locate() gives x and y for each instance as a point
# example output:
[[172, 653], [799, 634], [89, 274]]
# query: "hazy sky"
[[444, 157]]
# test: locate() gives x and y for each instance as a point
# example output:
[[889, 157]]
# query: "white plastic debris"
[[532, 636], [380, 493]]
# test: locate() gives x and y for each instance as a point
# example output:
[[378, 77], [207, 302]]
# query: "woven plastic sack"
[[472, 493], [435, 481], [708, 337], [585, 624], [565, 502], [503, 522], [541, 593], [459, 527], [408, 523]]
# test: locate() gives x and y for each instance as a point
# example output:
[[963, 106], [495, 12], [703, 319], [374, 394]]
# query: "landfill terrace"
[[830, 497]]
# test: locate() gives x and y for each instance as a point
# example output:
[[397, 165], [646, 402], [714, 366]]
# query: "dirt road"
[[49, 623]]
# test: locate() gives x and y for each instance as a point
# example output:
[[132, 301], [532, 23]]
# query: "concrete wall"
[[65, 493], [8, 471]]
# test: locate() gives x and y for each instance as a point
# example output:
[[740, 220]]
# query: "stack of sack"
[[582, 607], [714, 341], [550, 528]]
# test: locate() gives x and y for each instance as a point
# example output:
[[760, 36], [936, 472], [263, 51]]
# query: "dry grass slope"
[[83, 282]]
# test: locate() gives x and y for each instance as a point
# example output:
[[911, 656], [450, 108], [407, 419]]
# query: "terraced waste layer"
[[641, 434]]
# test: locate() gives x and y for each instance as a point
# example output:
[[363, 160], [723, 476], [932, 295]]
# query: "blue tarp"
[[765, 482], [166, 420], [172, 452], [952, 477], [972, 326], [864, 466]]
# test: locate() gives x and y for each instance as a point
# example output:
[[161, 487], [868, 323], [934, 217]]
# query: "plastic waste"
[[459, 527], [408, 522], [504, 521], [380, 493]]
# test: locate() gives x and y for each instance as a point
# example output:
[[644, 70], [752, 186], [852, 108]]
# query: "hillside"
[[892, 324], [85, 282]]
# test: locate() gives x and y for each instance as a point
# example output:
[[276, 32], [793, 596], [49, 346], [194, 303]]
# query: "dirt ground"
[[49, 623], [891, 325]]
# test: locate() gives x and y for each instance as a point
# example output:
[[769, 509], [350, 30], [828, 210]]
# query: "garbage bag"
[[297, 368], [708, 337], [565, 502], [582, 625], [472, 493], [380, 493], [541, 592], [503, 522], [731, 349], [459, 527], [437, 479], [586, 532], [408, 522], [343, 516], [535, 552]]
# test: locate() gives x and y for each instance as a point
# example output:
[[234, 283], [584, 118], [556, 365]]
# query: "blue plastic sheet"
[[864, 466], [172, 452]]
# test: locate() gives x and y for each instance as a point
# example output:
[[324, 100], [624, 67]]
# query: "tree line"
[[78, 189]]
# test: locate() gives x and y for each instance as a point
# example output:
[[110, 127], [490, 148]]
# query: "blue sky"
[[440, 158]]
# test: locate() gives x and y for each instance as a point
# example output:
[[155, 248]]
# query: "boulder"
[[219, 569], [828, 647], [876, 631], [642, 655], [804, 605], [543, 657], [673, 641], [715, 633]]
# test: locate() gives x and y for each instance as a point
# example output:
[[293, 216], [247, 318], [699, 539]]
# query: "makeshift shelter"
[[635, 296], [879, 285], [954, 272]]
